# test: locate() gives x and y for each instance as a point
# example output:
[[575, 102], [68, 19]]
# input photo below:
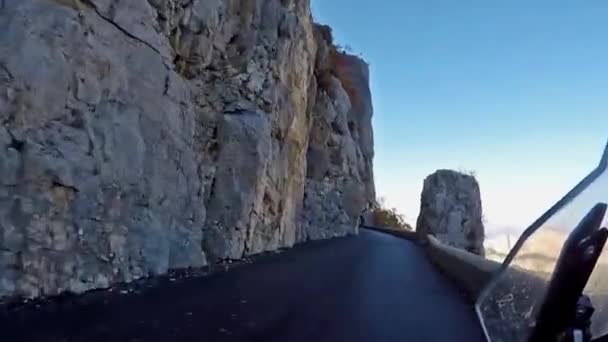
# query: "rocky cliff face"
[[139, 136], [450, 209], [339, 179]]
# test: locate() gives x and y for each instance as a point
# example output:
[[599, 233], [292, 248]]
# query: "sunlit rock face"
[[339, 177], [139, 136], [450, 209]]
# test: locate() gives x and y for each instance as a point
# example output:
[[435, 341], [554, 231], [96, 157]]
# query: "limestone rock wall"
[[450, 209], [139, 136], [339, 183]]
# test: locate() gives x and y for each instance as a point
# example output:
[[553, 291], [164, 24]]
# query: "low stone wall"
[[471, 272], [409, 235]]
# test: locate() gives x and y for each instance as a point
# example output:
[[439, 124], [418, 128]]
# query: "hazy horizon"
[[516, 92]]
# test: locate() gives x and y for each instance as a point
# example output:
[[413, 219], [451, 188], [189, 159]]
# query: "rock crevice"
[[120, 28]]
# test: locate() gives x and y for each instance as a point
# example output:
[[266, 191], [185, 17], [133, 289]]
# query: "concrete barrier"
[[469, 271], [406, 234]]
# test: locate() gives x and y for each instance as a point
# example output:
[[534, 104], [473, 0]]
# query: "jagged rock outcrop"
[[450, 209], [139, 136], [339, 182]]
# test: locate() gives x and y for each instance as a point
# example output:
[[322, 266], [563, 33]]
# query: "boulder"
[[450, 210]]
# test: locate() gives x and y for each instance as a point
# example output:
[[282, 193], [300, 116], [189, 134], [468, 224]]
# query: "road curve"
[[373, 287]]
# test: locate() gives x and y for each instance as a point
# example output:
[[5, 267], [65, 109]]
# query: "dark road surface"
[[373, 287]]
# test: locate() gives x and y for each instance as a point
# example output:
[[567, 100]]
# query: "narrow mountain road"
[[373, 287]]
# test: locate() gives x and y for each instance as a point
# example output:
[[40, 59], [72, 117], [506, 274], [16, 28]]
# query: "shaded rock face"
[[139, 136], [450, 209]]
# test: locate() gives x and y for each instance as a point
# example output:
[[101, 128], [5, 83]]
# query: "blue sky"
[[516, 91]]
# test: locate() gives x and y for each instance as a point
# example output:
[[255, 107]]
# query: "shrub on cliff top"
[[340, 61], [327, 33], [341, 65]]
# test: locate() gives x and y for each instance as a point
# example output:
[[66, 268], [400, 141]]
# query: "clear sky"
[[515, 90]]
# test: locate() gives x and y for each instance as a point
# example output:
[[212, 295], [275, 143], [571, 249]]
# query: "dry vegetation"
[[340, 63], [390, 218]]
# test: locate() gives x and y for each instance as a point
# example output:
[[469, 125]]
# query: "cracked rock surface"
[[140, 136], [451, 210]]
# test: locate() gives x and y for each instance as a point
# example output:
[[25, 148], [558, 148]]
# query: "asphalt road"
[[373, 287]]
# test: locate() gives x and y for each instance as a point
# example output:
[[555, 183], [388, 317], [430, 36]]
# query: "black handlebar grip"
[[572, 271]]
